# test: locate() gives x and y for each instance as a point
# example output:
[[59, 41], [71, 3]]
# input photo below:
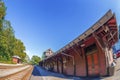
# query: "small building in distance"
[[47, 53], [16, 59]]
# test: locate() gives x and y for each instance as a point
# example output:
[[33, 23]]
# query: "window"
[[91, 49]]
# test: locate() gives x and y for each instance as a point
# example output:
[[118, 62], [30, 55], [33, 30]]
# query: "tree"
[[6, 37], [2, 9], [19, 49], [35, 60], [27, 59], [2, 12], [9, 44], [4, 33]]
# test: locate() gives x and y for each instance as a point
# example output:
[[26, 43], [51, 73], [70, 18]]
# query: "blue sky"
[[43, 24]]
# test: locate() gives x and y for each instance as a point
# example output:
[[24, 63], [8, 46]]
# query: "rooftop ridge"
[[89, 31], [94, 27]]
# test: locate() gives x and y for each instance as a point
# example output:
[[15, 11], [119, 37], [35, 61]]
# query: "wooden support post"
[[57, 66], [96, 38], [73, 61], [102, 49], [62, 64], [74, 65]]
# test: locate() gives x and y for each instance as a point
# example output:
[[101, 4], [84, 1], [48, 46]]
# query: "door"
[[92, 61], [93, 64]]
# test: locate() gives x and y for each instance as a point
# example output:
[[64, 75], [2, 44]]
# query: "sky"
[[43, 24]]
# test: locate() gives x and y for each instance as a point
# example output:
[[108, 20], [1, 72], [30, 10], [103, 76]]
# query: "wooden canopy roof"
[[88, 32]]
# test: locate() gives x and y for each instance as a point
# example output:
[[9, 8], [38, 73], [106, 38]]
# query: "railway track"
[[20, 75], [10, 67]]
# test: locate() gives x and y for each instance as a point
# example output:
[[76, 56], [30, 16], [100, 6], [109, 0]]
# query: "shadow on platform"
[[36, 72], [39, 71]]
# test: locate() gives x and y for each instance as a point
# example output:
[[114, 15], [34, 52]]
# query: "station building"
[[90, 54], [47, 53]]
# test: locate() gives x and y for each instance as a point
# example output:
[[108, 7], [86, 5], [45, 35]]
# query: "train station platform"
[[41, 74], [5, 71], [2, 64]]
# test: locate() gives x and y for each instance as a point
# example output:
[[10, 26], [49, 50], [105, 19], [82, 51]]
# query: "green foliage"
[[7, 62], [18, 48], [9, 44], [2, 9], [27, 59], [35, 60], [2, 12]]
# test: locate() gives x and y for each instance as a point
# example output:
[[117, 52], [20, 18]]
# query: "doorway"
[[92, 61]]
